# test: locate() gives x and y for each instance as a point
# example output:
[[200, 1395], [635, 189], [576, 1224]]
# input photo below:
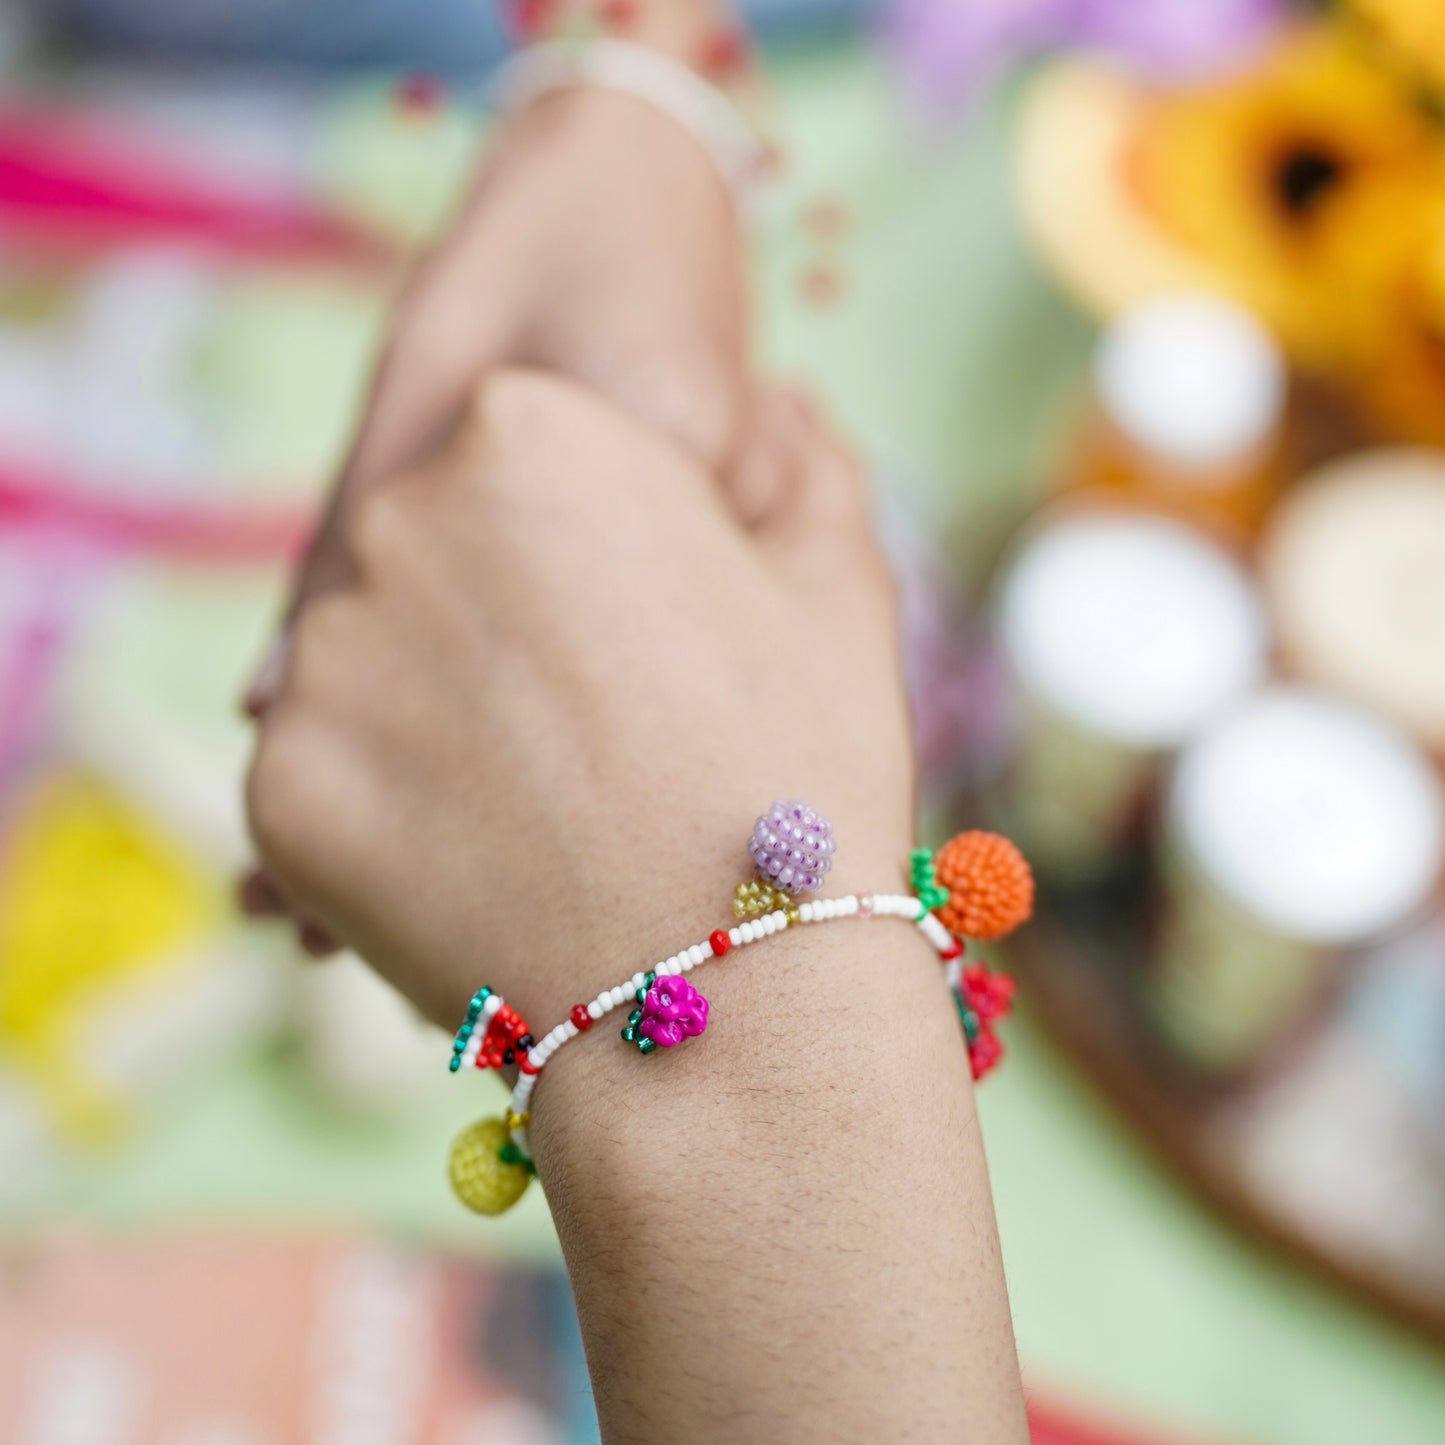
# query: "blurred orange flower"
[[1310, 182]]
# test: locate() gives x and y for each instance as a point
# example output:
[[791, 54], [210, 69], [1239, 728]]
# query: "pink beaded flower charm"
[[792, 847], [669, 1010]]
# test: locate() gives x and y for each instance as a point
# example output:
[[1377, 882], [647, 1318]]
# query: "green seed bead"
[[645, 1046], [650, 979], [630, 1033], [456, 1063]]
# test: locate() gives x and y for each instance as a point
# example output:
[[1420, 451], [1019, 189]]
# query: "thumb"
[[799, 489]]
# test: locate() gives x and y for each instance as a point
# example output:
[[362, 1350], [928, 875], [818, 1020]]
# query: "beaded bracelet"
[[699, 107], [978, 886]]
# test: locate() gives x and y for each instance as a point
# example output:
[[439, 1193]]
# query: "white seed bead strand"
[[934, 931], [818, 910]]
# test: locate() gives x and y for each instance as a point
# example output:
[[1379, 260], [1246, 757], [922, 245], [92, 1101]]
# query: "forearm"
[[785, 1232]]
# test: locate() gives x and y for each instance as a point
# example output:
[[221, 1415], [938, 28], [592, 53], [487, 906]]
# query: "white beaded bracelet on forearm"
[[740, 155], [978, 884]]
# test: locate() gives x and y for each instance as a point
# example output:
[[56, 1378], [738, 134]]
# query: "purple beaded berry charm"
[[792, 847], [669, 1010]]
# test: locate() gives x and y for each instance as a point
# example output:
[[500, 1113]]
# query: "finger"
[[692, 392], [800, 481], [757, 483], [548, 441]]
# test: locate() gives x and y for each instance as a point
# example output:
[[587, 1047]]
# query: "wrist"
[[673, 91], [611, 922], [978, 882], [815, 1016], [566, 152]]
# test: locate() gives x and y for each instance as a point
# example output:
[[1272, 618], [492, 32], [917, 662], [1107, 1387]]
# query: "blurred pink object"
[[89, 179], [948, 49]]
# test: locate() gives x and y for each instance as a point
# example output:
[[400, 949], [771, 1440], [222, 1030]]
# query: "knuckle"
[[324, 631], [844, 493], [302, 804], [275, 794], [512, 401], [381, 527], [693, 397]]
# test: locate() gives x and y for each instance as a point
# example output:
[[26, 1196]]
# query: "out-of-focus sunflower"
[[1409, 33], [1402, 383], [1309, 181]]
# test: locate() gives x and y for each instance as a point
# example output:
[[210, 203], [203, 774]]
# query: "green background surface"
[[955, 363]]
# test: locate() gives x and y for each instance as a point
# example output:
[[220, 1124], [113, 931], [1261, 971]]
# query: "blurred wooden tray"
[[1078, 982]]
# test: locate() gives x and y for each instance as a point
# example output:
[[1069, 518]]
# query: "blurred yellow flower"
[[1402, 385], [1309, 182], [1410, 32]]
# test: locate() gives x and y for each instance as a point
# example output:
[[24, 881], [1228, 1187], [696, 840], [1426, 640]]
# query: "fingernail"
[[265, 685]]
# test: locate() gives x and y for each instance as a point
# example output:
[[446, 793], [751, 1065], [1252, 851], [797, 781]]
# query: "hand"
[[522, 745], [600, 243], [524, 742]]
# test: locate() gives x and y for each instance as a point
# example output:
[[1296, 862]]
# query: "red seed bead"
[[720, 942], [528, 1067], [724, 54], [419, 95], [954, 950], [581, 1017], [528, 18]]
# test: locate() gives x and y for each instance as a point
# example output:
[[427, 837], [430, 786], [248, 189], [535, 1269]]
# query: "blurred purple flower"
[[947, 49]]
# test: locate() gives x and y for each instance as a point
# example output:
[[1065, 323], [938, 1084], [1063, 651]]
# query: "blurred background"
[[1139, 311]]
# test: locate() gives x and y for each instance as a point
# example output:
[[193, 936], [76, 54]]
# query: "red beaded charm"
[[720, 942], [983, 998], [505, 1027], [581, 1017]]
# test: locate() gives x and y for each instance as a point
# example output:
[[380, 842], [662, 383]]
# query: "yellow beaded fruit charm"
[[481, 1176]]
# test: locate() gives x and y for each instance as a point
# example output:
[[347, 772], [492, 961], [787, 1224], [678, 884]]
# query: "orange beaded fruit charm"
[[989, 882]]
